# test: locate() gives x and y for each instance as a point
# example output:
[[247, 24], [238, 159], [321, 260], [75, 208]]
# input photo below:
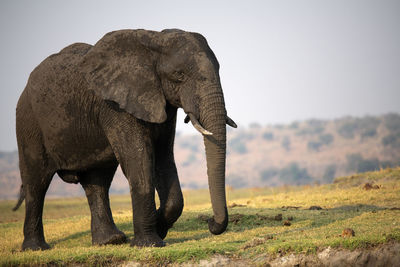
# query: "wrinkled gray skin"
[[89, 108]]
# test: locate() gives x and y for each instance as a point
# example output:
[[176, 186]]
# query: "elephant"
[[90, 108]]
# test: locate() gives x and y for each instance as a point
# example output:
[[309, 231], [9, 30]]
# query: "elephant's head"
[[143, 70]]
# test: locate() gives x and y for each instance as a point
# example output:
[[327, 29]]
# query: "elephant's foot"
[[162, 230], [114, 238], [150, 240], [33, 244], [162, 225]]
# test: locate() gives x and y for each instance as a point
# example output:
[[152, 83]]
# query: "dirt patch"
[[315, 208], [348, 232], [234, 205], [382, 255], [278, 217], [369, 186], [203, 217], [257, 241], [235, 218], [291, 207]]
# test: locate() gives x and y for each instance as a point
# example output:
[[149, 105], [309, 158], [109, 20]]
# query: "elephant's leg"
[[169, 192], [96, 184], [140, 176], [36, 177], [132, 142], [132, 145], [35, 184], [37, 171]]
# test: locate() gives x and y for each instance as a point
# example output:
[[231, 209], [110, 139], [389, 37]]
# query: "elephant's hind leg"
[[36, 183], [36, 174], [96, 184]]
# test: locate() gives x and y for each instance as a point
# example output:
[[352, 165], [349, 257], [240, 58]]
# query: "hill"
[[306, 152], [312, 151], [353, 222]]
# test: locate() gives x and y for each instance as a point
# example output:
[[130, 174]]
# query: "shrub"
[[190, 144], [191, 159], [313, 127], [392, 122], [314, 146], [329, 174], [294, 125], [246, 136], [366, 125], [355, 162], [368, 133], [392, 140], [326, 139], [347, 130], [237, 145], [8, 161], [294, 175], [352, 161], [286, 143], [268, 136], [267, 174], [391, 164], [190, 185], [367, 165], [316, 123], [236, 181]]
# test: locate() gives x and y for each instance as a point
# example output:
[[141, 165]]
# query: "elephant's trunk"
[[213, 118]]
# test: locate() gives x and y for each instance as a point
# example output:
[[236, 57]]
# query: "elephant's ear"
[[121, 68]]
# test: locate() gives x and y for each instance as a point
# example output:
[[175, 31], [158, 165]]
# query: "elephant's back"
[[54, 88], [57, 69], [55, 81], [77, 49]]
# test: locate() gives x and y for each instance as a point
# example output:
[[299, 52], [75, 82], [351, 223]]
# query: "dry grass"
[[254, 229]]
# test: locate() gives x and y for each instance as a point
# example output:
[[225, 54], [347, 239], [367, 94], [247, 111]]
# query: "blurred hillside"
[[312, 151]]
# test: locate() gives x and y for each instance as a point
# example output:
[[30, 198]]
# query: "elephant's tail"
[[21, 198]]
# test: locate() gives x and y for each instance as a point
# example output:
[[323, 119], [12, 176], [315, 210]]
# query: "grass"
[[253, 230]]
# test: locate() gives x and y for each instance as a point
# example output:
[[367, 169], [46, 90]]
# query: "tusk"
[[187, 119], [197, 125], [230, 122]]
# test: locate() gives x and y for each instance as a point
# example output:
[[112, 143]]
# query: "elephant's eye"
[[179, 76]]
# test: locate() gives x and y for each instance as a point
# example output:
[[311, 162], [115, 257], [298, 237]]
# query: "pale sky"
[[280, 60]]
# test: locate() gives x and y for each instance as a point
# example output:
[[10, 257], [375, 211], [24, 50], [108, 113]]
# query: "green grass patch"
[[256, 224]]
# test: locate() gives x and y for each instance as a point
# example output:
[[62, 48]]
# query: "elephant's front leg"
[[132, 143], [140, 177], [169, 192], [136, 157]]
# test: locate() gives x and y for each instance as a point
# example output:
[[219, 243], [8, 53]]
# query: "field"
[[264, 223]]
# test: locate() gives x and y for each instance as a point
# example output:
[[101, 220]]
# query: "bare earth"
[[382, 255]]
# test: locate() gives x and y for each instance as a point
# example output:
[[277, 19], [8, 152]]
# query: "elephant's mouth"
[[196, 124]]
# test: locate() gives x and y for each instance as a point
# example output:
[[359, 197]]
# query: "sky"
[[280, 61]]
